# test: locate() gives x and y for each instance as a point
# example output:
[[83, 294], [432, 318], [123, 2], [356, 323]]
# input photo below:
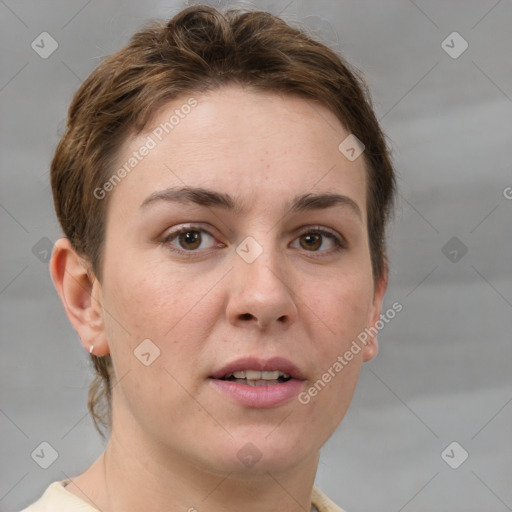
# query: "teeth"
[[262, 382], [257, 375]]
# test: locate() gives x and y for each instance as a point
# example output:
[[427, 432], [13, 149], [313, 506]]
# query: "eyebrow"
[[206, 197]]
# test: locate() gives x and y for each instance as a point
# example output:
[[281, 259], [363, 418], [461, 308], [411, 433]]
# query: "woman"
[[223, 186]]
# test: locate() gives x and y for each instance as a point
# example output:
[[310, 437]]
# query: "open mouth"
[[259, 383], [257, 378]]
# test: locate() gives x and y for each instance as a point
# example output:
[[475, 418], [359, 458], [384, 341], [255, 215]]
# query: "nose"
[[261, 292]]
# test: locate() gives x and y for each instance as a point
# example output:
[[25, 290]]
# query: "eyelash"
[[339, 243]]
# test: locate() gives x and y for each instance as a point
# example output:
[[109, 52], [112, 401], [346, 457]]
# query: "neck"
[[135, 476]]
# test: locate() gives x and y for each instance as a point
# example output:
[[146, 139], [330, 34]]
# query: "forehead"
[[259, 147]]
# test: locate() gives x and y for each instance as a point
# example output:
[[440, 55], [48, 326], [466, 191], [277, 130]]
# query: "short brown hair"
[[198, 50]]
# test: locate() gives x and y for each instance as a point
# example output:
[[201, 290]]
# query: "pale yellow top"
[[57, 499]]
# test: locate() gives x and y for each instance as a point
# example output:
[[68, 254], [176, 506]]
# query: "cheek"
[[176, 312], [149, 300], [166, 309], [343, 305]]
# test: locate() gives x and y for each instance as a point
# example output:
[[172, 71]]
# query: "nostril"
[[246, 316]]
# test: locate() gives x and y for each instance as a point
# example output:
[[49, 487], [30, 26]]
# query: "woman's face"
[[263, 277]]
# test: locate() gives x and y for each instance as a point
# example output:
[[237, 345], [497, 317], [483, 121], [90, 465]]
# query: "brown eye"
[[311, 241], [190, 240], [321, 241]]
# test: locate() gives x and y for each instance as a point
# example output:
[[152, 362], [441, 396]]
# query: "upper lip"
[[254, 363]]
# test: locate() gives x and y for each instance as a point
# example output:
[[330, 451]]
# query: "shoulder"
[[57, 499], [323, 503]]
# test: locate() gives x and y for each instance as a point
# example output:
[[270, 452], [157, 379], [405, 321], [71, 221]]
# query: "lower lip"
[[265, 396]]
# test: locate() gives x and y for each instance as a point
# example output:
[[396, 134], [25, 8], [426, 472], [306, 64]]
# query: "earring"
[[91, 349]]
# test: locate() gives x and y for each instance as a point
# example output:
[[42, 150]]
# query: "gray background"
[[443, 372]]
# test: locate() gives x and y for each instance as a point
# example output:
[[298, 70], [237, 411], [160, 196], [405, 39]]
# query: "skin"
[[175, 438]]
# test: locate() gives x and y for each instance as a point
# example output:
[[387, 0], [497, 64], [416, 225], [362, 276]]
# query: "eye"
[[188, 239], [316, 238]]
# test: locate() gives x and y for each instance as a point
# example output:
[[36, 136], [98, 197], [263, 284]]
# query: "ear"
[[372, 345], [80, 293]]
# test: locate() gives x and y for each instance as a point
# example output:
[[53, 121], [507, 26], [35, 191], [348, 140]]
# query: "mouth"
[[259, 383], [254, 371], [257, 378]]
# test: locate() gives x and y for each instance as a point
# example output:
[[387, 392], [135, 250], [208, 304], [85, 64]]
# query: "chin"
[[260, 451]]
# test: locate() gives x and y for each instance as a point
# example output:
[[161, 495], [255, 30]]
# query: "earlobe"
[[372, 345], [80, 294], [371, 349]]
